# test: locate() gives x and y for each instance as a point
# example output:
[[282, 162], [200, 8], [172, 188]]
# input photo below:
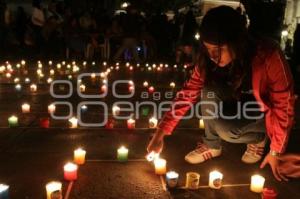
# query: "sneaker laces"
[[201, 147]]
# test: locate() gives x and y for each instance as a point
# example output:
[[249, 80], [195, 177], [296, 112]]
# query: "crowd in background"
[[53, 30]]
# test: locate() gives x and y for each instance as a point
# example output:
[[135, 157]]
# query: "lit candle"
[[79, 156], [23, 62], [84, 108], [152, 122], [33, 87], [16, 80], [215, 180], [70, 171], [51, 108], [44, 122], [18, 87], [25, 108], [49, 80], [172, 179], [116, 110], [27, 80], [151, 89], [73, 123], [8, 75], [131, 123], [103, 88], [160, 166], [192, 180], [52, 72], [201, 124], [172, 85], [110, 124], [122, 154], [53, 190], [82, 88], [131, 88], [93, 76], [257, 183], [145, 84], [4, 189], [13, 121]]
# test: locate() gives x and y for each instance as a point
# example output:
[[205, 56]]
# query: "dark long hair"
[[224, 25]]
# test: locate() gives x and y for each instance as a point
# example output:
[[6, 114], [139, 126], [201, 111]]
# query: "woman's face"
[[221, 55]]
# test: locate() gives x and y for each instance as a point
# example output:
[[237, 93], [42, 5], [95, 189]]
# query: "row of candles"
[[192, 178]]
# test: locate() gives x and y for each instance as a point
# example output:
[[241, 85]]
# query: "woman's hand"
[[157, 142], [290, 165], [273, 161]]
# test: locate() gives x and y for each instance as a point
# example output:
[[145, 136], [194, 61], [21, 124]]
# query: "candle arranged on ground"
[[44, 122], [201, 124], [33, 87], [151, 89], [152, 122], [82, 88], [116, 110], [18, 87], [51, 108], [172, 85], [73, 123], [215, 180], [93, 76], [103, 88], [131, 88], [257, 183], [172, 179], [145, 84], [25, 108], [131, 123], [53, 190], [70, 171], [79, 156], [160, 166], [269, 193], [13, 121], [4, 189], [122, 154], [192, 180]]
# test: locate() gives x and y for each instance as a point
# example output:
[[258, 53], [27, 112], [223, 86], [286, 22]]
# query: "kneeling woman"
[[234, 70]]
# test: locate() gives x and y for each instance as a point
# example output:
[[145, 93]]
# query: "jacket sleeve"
[[280, 117], [187, 96]]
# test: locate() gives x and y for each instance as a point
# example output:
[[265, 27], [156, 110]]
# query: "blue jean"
[[236, 130]]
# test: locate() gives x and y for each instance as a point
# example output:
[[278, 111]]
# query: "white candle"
[[160, 166], [172, 179], [23, 62], [4, 189], [116, 110], [49, 80], [8, 75], [79, 156], [52, 72], [33, 87], [93, 75], [257, 183], [82, 88], [16, 80], [51, 108], [73, 122], [25, 108], [145, 84], [172, 85], [152, 122], [18, 87], [52, 187], [215, 179], [27, 80]]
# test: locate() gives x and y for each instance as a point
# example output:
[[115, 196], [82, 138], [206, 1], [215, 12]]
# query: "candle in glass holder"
[[51, 108], [151, 89], [44, 122], [79, 156], [192, 180], [25, 108], [122, 154], [70, 171], [73, 122], [201, 124], [13, 121], [53, 190], [257, 183], [160, 166], [116, 110], [215, 180], [152, 122], [82, 88], [131, 123], [33, 87], [172, 179], [4, 189]]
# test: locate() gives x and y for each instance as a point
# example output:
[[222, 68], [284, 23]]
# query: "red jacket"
[[272, 87]]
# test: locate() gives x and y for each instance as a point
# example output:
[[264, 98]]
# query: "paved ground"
[[32, 156]]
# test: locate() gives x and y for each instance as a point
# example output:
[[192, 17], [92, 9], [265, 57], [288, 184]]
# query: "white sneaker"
[[201, 154], [254, 152]]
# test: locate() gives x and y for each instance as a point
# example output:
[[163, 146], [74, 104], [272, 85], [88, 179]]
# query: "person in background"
[[38, 21]]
